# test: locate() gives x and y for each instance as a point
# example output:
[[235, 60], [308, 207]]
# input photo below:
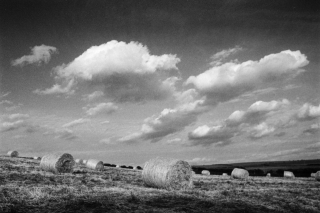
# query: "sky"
[[125, 81]]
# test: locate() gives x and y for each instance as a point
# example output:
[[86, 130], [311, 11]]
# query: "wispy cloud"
[[218, 57], [39, 54], [76, 123], [101, 108]]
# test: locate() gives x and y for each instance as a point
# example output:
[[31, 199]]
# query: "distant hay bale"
[[167, 173], [57, 163], [95, 164], [193, 173], [79, 161], [313, 175], [224, 174], [84, 162], [268, 175], [317, 176], [13, 154], [288, 174], [239, 173], [117, 166], [36, 158], [135, 168], [205, 172]]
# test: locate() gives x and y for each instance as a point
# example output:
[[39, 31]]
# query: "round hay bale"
[[224, 174], [117, 166], [95, 164], [313, 175], [84, 162], [79, 161], [239, 173], [268, 175], [167, 173], [317, 176], [205, 172], [57, 163], [288, 174], [36, 158], [13, 154], [193, 173]]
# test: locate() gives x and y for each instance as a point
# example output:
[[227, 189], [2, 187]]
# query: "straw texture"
[[57, 163], [171, 174], [317, 176], [13, 153], [95, 164], [239, 173], [205, 172], [288, 174]]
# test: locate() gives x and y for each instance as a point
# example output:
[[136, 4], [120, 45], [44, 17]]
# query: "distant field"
[[25, 188]]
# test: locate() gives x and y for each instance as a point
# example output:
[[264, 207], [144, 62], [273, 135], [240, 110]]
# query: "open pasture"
[[24, 187]]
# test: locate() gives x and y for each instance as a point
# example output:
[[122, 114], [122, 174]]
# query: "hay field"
[[26, 188]]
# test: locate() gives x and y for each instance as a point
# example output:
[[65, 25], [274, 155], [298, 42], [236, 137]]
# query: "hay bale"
[[95, 164], [313, 175], [205, 172], [239, 173], [268, 175], [224, 174], [167, 173], [288, 174], [79, 161], [57, 163], [84, 162], [117, 166], [13, 154], [317, 176], [193, 173], [36, 158]]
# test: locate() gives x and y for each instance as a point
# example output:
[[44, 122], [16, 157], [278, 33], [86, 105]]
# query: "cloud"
[[195, 161], [314, 129], [39, 54], [93, 96], [6, 102], [3, 95], [227, 81], [106, 108], [105, 122], [262, 130], [219, 56], [57, 89], [308, 112], [168, 122], [75, 123], [65, 134], [239, 122], [10, 126], [127, 71], [18, 116]]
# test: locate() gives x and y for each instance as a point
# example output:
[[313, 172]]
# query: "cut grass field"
[[25, 188]]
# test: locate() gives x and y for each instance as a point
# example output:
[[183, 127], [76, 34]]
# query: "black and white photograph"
[[160, 106]]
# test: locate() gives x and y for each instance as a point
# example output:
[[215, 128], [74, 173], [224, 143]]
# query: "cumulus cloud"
[[127, 71], [76, 123], [261, 130], [227, 81], [251, 120], [168, 122], [39, 54], [308, 112], [106, 108], [219, 56]]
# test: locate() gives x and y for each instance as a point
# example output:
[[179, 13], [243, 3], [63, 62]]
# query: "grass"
[[25, 188]]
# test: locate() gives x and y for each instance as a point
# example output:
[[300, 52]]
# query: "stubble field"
[[25, 188]]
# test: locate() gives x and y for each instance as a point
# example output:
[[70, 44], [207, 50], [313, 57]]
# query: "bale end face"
[[288, 174], [57, 163], [95, 164], [13, 154], [169, 174]]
